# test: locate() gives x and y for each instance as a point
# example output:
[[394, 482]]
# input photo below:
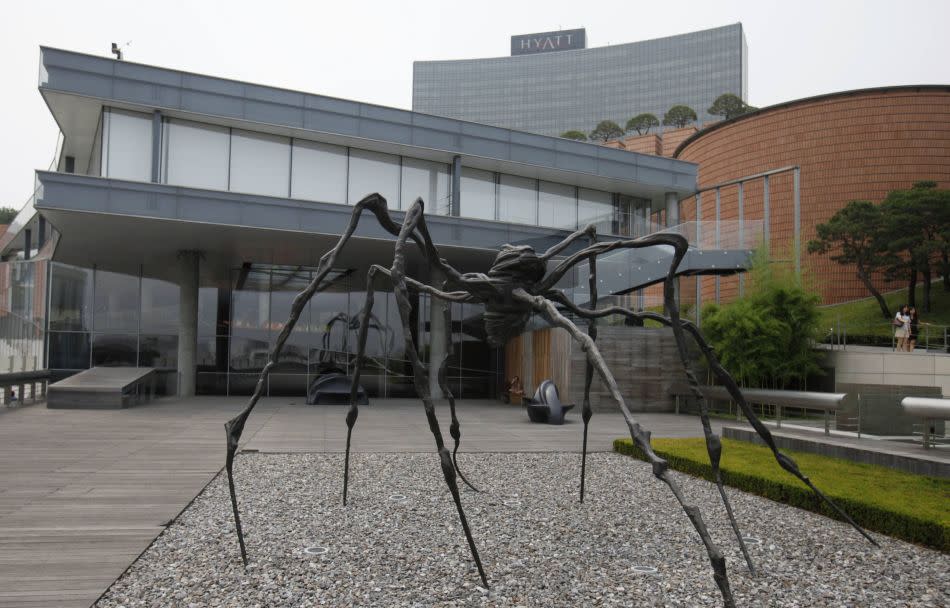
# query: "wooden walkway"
[[84, 492]]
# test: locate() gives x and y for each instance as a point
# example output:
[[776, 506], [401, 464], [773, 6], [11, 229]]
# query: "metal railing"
[[930, 337]]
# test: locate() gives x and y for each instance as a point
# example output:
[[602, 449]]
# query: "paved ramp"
[[103, 388]]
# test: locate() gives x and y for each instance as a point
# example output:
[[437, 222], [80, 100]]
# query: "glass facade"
[[110, 319], [107, 318], [221, 158], [22, 314], [550, 93]]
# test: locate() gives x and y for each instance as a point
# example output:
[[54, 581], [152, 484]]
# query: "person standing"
[[914, 329], [901, 327]]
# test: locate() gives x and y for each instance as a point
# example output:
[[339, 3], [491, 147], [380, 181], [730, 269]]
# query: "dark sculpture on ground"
[[546, 406], [516, 287]]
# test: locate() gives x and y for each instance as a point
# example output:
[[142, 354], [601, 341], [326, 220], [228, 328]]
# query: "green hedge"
[[911, 507]]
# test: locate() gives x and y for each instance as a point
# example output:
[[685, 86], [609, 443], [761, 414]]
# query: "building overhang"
[[76, 86], [127, 226]]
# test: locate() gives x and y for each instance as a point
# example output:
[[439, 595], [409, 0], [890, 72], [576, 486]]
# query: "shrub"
[[906, 506]]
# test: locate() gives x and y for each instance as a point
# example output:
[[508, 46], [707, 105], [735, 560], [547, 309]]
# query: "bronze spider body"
[[516, 287]]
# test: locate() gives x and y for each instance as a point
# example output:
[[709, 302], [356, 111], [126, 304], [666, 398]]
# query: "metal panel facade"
[[550, 93]]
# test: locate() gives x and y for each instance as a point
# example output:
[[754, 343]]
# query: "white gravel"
[[540, 547]]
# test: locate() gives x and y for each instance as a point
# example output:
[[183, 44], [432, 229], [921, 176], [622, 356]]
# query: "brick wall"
[[849, 146]]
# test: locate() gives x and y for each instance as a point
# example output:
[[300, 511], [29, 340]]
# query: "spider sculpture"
[[516, 287]]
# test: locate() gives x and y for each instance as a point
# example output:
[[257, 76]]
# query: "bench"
[[930, 409], [826, 402], [103, 388]]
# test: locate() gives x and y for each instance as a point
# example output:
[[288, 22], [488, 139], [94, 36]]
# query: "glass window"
[[114, 350], [71, 299], [477, 194], [557, 206], [158, 351], [94, 167], [127, 148], [518, 200], [319, 172], [373, 172], [595, 207], [260, 163], [429, 180], [117, 302], [160, 306], [196, 155], [286, 283], [68, 350]]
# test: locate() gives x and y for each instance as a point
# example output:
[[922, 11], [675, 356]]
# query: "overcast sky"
[[364, 50]]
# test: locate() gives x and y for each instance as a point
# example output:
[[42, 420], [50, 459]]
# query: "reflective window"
[[319, 172], [196, 155], [160, 306], [429, 180], [114, 350], [260, 163], [518, 200], [158, 351], [557, 206], [68, 350], [373, 172], [117, 302], [595, 207], [95, 158], [286, 283], [127, 145], [71, 299], [477, 194]]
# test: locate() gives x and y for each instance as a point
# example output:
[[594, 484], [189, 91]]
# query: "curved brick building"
[[850, 145]]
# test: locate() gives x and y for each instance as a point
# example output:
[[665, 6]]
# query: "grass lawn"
[[863, 317], [911, 507]]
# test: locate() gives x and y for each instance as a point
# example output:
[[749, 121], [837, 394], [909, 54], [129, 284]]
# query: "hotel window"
[[477, 194], [373, 172], [260, 163], [557, 206], [518, 200], [429, 180], [127, 145], [319, 172], [196, 155]]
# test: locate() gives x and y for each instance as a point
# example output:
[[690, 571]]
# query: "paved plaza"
[[84, 492]]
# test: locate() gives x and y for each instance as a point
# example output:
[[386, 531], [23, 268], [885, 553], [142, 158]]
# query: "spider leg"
[[589, 368], [729, 383], [353, 412], [420, 375], [713, 443], [455, 429], [640, 436], [234, 427]]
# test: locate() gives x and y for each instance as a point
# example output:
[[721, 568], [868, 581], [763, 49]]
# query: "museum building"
[[184, 212]]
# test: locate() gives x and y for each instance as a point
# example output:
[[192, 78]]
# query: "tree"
[[855, 236], [642, 123], [767, 337], [578, 135], [918, 235], [679, 116], [729, 106], [7, 214], [605, 130]]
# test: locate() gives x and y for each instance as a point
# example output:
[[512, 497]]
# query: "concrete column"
[[438, 336], [188, 263], [672, 209]]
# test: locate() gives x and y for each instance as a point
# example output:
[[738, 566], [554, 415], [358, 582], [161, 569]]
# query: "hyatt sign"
[[545, 42]]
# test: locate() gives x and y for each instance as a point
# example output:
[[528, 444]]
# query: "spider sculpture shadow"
[[516, 287]]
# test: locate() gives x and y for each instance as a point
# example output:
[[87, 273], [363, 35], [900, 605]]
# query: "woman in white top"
[[902, 328]]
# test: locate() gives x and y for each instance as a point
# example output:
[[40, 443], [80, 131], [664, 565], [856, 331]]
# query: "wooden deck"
[[84, 492]]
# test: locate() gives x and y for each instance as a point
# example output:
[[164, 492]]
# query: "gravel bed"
[[399, 542]]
